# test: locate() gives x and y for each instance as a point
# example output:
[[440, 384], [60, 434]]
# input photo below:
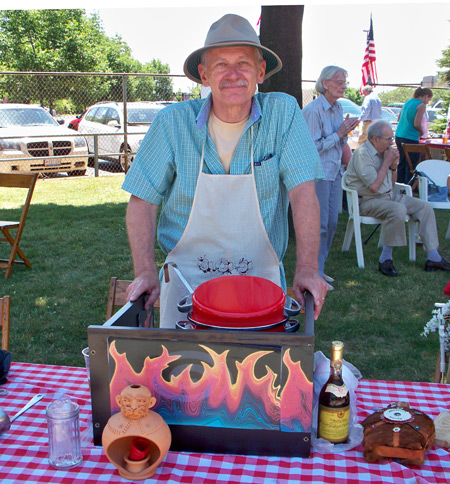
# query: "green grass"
[[76, 240]]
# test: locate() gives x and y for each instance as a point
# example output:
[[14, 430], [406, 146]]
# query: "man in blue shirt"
[[370, 111], [224, 169]]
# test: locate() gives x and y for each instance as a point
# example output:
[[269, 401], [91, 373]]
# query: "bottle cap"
[[337, 350]]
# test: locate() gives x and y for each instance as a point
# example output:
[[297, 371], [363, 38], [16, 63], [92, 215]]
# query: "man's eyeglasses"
[[391, 138]]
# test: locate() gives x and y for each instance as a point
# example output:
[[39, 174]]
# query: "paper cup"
[[85, 353]]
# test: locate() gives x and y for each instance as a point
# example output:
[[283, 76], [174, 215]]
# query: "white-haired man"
[[225, 169], [372, 172]]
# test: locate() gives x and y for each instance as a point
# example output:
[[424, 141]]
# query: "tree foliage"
[[399, 95], [67, 40], [354, 95], [445, 63]]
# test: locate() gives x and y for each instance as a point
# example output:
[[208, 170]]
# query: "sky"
[[409, 36]]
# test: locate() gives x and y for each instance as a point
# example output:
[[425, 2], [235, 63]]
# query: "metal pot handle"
[[291, 326], [185, 305], [291, 307]]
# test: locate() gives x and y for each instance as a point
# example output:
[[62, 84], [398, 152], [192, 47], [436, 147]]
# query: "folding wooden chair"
[[16, 180], [424, 151], [447, 154], [4, 321], [117, 296]]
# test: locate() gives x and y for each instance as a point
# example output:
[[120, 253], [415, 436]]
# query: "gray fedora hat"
[[231, 30]]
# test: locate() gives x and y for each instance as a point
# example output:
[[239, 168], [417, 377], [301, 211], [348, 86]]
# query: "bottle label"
[[333, 423], [338, 391]]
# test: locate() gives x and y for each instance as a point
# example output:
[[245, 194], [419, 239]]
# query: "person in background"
[[372, 172], [329, 130], [370, 111], [409, 129], [225, 169]]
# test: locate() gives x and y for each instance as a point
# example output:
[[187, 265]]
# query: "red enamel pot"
[[239, 302]]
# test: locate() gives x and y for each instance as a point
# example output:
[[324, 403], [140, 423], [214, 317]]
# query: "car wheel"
[[122, 158], [91, 161]]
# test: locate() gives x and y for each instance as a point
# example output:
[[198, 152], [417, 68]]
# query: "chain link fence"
[[78, 123]]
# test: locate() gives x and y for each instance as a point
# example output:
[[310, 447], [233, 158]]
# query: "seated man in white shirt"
[[372, 172]]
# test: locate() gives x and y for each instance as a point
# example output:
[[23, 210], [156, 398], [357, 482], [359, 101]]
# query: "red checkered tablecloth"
[[24, 451]]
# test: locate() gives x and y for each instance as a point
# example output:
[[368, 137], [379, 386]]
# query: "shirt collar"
[[372, 150], [325, 103], [203, 115]]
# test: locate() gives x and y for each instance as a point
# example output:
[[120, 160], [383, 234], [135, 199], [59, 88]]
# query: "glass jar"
[[64, 433]]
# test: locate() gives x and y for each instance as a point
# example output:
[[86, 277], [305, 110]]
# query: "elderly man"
[[329, 130], [370, 111], [225, 169], [372, 171]]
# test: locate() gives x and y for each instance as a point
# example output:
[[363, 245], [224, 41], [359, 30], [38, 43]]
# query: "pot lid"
[[239, 297]]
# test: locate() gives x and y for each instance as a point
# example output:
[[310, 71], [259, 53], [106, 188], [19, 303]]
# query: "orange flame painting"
[[260, 388]]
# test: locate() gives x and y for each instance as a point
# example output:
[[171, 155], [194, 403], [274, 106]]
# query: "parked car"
[[435, 114], [350, 108], [107, 118], [354, 111], [389, 115], [75, 122], [395, 109], [28, 132]]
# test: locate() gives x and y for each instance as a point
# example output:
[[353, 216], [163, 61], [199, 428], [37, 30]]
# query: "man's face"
[[336, 86], [383, 143], [232, 73]]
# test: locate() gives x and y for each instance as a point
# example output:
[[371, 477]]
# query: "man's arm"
[[141, 227], [306, 218]]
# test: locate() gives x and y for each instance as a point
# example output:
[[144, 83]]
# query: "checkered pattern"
[[24, 452]]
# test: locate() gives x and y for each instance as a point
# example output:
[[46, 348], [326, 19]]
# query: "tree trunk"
[[281, 31]]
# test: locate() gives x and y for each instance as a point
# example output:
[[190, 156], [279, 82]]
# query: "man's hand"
[[145, 283], [309, 279], [348, 125], [392, 157]]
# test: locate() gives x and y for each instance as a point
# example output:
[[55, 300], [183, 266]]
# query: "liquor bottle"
[[334, 401]]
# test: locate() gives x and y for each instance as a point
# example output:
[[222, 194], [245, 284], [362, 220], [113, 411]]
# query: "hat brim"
[[273, 62]]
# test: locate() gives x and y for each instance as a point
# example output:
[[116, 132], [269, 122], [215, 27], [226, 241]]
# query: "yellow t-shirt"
[[226, 136]]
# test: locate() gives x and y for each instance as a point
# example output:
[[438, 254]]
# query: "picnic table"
[[24, 455]]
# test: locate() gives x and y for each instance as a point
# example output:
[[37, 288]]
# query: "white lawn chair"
[[438, 171], [355, 220]]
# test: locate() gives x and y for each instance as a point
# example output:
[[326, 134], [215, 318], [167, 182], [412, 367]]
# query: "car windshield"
[[142, 115], [388, 116], [25, 117], [348, 107]]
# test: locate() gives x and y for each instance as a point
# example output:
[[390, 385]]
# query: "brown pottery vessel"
[[136, 420]]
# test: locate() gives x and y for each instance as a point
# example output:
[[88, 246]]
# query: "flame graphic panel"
[[216, 385]]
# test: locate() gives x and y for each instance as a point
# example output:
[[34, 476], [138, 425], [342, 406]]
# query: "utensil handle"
[[33, 401]]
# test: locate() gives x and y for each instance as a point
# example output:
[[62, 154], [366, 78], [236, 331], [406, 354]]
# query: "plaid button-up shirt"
[[167, 163]]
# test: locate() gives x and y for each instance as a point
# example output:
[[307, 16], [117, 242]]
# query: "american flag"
[[369, 68]]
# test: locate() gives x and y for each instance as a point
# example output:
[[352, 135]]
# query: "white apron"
[[224, 235]]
